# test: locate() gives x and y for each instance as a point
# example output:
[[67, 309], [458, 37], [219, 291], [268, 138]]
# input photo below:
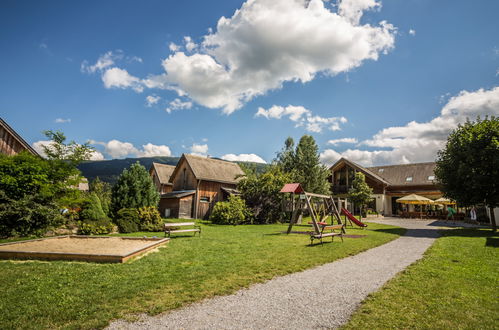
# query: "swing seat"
[[319, 223]]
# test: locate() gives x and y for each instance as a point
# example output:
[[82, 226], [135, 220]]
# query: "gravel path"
[[321, 297]]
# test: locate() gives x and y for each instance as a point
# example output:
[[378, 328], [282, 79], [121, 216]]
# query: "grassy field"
[[37, 294], [455, 286]]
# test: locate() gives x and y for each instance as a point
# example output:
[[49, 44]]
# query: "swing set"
[[320, 207]]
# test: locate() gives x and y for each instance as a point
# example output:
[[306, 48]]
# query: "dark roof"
[[397, 174], [178, 194], [360, 168], [18, 137], [209, 169], [164, 172]]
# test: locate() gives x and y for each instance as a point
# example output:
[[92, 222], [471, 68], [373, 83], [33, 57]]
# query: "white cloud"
[[178, 104], [199, 149], [302, 117], [412, 32], [152, 99], [189, 44], [119, 149], [342, 140], [103, 62], [38, 146], [417, 142], [96, 155], [151, 150], [120, 78], [62, 120], [269, 42], [244, 158]]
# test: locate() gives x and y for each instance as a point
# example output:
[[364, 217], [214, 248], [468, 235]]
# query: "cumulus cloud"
[[119, 149], [342, 140], [199, 149], [120, 78], [62, 120], [96, 155], [152, 100], [178, 104], [104, 61], [417, 142], [266, 43], [244, 158], [412, 32], [302, 117]]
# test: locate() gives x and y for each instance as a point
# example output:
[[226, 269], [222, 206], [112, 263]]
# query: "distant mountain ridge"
[[109, 170]]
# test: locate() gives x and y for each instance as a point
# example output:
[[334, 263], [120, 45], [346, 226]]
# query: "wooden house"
[[160, 174], [198, 184], [12, 143], [388, 182]]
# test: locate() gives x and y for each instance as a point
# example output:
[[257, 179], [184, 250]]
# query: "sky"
[[377, 82]]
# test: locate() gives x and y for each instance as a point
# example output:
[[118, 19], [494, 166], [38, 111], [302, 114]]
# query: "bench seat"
[[169, 228]]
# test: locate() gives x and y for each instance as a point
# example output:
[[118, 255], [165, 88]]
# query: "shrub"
[[232, 212], [92, 209], [27, 216], [100, 227], [150, 219], [128, 220]]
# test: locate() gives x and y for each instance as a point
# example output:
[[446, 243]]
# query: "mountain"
[[109, 170]]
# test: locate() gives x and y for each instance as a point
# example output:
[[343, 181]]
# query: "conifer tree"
[[310, 173], [134, 189], [286, 157]]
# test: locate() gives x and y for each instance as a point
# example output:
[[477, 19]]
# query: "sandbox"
[[81, 248]]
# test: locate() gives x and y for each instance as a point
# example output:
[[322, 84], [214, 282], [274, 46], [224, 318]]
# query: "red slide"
[[352, 218]]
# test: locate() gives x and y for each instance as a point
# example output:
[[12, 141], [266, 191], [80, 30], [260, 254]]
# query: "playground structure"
[[320, 207]]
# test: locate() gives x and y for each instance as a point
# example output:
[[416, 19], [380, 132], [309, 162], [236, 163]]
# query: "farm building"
[[388, 182], [12, 143], [198, 183], [160, 174]]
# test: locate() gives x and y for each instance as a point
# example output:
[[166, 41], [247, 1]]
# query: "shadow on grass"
[[491, 241]]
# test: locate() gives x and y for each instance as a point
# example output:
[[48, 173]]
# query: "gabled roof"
[[397, 174], [17, 137], [294, 188], [364, 170], [164, 172], [209, 169]]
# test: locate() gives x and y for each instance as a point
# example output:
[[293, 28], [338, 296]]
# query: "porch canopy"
[[415, 199]]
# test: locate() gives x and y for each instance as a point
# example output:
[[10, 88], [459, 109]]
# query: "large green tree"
[[360, 192], [134, 189], [468, 167], [309, 171], [286, 157]]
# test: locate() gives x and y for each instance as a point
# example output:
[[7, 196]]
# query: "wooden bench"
[[327, 234], [171, 228]]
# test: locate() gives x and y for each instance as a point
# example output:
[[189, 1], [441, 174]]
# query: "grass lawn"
[[455, 286], [37, 294]]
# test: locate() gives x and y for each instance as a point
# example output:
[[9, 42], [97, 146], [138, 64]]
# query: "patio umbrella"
[[444, 201], [415, 199]]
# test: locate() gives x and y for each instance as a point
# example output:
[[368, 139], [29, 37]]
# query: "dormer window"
[[408, 179], [431, 177], [381, 170]]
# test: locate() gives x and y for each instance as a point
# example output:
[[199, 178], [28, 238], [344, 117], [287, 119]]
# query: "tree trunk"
[[493, 219]]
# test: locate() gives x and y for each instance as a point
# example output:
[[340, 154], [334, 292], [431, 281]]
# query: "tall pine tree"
[[310, 173], [134, 189]]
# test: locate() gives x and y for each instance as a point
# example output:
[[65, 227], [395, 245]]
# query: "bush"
[[150, 219], [100, 227], [27, 216], [92, 209], [232, 212], [128, 220]]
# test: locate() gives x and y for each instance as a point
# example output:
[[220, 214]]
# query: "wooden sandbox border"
[[109, 258]]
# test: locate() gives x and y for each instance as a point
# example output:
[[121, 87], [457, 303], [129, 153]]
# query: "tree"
[[134, 189], [310, 173], [71, 152], [103, 191], [468, 166], [286, 157], [360, 193], [262, 193]]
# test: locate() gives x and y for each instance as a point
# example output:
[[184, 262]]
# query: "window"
[[381, 170], [408, 179], [431, 177], [204, 199]]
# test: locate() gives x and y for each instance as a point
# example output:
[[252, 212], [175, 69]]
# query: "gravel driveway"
[[321, 297]]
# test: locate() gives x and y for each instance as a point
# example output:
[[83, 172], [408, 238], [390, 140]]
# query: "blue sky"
[[377, 82]]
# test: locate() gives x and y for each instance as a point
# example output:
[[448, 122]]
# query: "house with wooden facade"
[[388, 182], [197, 184], [160, 174], [12, 143]]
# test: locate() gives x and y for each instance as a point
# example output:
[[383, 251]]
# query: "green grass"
[[455, 286], [37, 294]]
